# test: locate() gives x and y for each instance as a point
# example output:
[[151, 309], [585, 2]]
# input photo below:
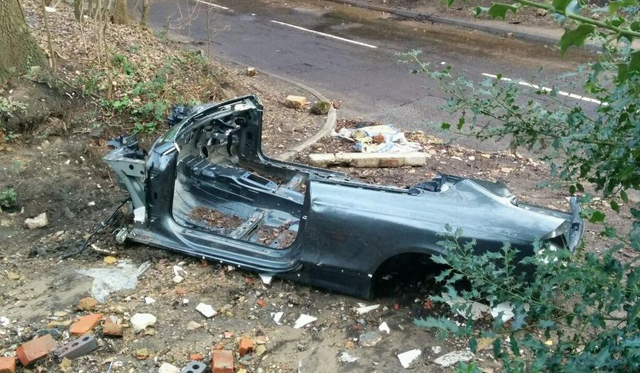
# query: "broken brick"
[[228, 335], [8, 364], [218, 347], [87, 304], [180, 291], [261, 303], [35, 349], [196, 357], [245, 346], [222, 362], [85, 324], [112, 329]]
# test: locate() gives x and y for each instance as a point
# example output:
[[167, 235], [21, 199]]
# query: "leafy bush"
[[8, 198], [575, 312]]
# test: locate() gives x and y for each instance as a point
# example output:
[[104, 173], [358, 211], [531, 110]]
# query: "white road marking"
[[326, 35], [213, 5], [547, 89]]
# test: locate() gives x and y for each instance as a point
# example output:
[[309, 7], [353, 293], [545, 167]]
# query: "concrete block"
[[77, 348], [368, 160], [195, 367], [296, 102]]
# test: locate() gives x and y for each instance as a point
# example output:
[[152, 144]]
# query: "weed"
[[8, 198]]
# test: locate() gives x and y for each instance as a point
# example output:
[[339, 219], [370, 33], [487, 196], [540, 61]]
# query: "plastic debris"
[[406, 358], [149, 300], [276, 316], [384, 328], [346, 358], [378, 139], [266, 279], [304, 320], [364, 309], [506, 309], [107, 280], [206, 310]]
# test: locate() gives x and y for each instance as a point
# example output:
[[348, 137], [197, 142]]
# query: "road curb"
[[461, 23], [329, 124]]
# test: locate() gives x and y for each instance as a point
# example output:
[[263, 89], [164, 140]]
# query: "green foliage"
[[573, 312], [601, 148], [8, 198]]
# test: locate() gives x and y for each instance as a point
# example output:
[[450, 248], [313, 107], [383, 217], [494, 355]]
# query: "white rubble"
[[168, 368], [206, 310], [140, 321], [364, 309], [304, 320], [39, 221], [384, 327], [276, 316], [453, 358], [406, 358]]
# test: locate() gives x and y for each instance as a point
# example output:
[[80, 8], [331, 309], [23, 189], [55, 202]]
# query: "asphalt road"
[[355, 58]]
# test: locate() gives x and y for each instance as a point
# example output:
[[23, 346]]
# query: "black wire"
[[103, 225]]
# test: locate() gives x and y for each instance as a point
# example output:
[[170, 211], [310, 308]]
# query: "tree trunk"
[[120, 12], [145, 13], [19, 49]]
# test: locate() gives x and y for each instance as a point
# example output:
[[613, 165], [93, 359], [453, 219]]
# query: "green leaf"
[[439, 259], [572, 189], [624, 197], [439, 323], [580, 187], [597, 216], [445, 126], [498, 10], [614, 6], [575, 37], [615, 206], [561, 5]]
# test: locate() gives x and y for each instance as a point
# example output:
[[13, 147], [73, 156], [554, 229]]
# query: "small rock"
[[251, 71], [39, 221], [336, 104], [192, 325], [321, 108], [142, 354], [141, 321], [110, 260], [541, 13], [369, 339], [349, 345], [87, 304], [13, 276], [436, 349], [260, 349]]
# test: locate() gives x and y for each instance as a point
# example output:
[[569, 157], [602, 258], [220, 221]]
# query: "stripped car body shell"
[[344, 230]]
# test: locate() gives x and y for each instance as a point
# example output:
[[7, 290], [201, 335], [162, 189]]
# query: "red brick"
[[35, 349], [87, 304], [196, 357], [8, 364], [218, 347], [245, 346], [222, 362], [261, 303], [180, 291], [85, 324]]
